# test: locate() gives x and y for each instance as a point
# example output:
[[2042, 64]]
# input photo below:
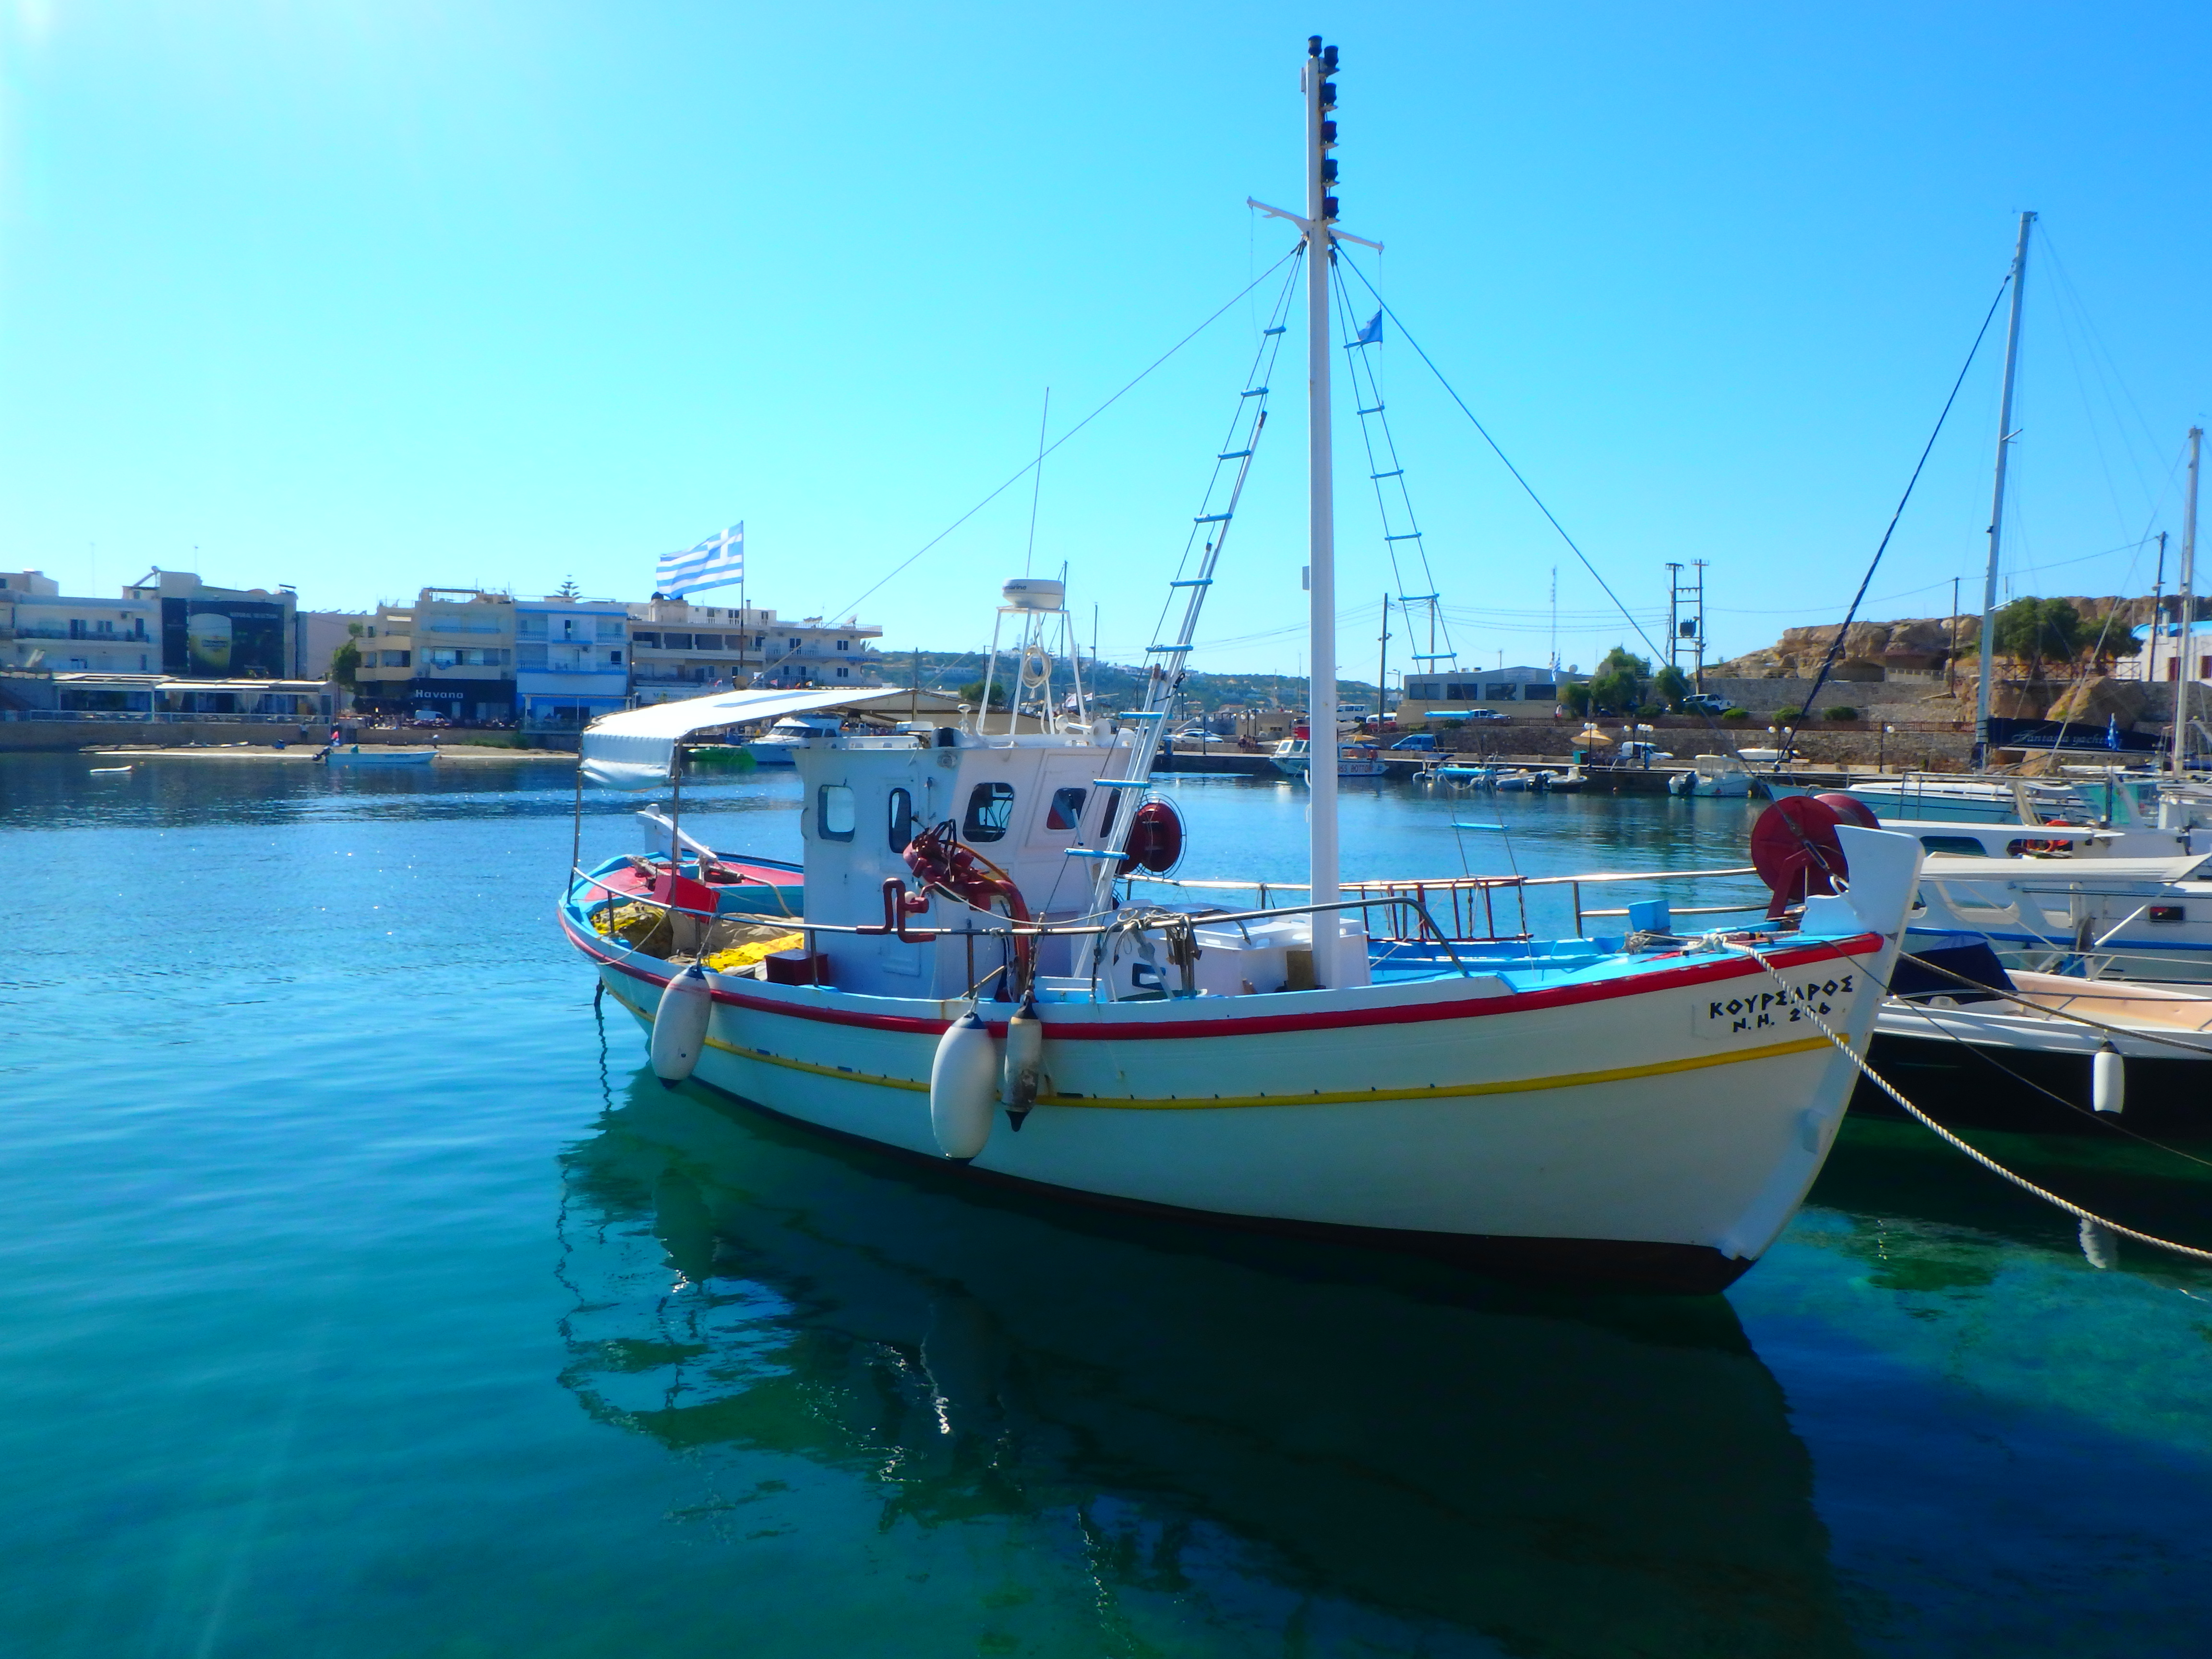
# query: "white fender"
[[679, 1026], [2108, 1080], [963, 1087], [1017, 1085]]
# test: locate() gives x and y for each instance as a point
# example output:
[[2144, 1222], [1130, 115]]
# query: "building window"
[[643, 638], [614, 658], [841, 644], [610, 628], [398, 658], [900, 826], [990, 810], [675, 642], [1067, 809], [843, 672], [77, 631], [706, 642], [530, 626], [833, 812], [530, 656]]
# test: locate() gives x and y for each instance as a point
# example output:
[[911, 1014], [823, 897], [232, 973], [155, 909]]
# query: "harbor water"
[[361, 1294]]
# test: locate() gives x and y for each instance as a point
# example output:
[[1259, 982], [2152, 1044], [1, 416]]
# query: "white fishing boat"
[[974, 982]]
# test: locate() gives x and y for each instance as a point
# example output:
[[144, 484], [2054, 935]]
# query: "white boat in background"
[[785, 737], [353, 755], [1721, 775], [976, 982]]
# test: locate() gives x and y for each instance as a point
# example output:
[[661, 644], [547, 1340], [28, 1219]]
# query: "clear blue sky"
[[364, 294]]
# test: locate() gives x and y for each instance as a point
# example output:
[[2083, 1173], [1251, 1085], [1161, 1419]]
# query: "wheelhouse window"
[[1067, 809], [900, 825], [990, 810], [833, 812]]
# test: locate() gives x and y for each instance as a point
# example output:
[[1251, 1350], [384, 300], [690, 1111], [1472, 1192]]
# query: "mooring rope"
[[1980, 1157]]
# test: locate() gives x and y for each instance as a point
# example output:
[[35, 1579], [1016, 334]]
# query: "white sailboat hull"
[[1634, 1130]]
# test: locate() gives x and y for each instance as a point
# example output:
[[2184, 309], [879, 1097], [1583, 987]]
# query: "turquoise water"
[[360, 1298]]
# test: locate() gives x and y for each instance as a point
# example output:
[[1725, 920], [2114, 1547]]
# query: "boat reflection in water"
[[1246, 1423]]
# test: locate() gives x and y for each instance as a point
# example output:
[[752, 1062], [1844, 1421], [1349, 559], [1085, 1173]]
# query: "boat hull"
[[1435, 1127]]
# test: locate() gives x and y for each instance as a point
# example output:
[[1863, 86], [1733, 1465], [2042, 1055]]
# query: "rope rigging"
[[1836, 647], [1386, 471]]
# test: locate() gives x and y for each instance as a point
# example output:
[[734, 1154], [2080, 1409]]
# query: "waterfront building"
[[451, 653], [41, 630], [680, 650], [1531, 690], [571, 661]]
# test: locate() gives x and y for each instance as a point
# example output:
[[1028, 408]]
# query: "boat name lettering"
[[1768, 1011]]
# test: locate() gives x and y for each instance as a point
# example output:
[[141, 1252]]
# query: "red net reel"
[[1797, 850]]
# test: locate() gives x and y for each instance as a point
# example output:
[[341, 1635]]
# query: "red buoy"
[[1797, 850], [1155, 839]]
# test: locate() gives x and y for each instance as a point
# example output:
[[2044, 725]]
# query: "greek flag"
[[715, 563], [1372, 334]]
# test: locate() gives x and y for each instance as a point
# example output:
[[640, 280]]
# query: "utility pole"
[[1698, 621], [1951, 659], [1555, 625], [1382, 668], [2157, 615], [2184, 642], [1673, 626], [2005, 435]]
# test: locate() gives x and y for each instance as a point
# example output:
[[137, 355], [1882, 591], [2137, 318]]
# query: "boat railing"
[[1412, 907], [1462, 893]]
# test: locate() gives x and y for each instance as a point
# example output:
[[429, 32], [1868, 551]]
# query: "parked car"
[[1487, 714], [1422, 740], [1703, 704], [1643, 752]]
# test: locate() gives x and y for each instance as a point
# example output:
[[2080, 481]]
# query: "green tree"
[[345, 661], [569, 590], [2033, 631], [972, 693], [1575, 697], [1670, 685]]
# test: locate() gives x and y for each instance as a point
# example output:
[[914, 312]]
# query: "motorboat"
[[1721, 775], [776, 749], [980, 981], [2016, 1049]]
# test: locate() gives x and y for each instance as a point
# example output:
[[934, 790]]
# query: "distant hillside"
[[1118, 686]]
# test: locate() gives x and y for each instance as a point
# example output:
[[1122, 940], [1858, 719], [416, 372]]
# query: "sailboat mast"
[[2005, 435], [2186, 660], [1320, 511]]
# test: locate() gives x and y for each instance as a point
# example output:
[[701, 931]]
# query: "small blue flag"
[[715, 563], [1372, 334]]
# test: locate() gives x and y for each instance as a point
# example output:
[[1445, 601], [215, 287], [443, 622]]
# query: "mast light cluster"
[[1324, 59]]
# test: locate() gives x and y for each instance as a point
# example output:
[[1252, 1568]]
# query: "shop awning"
[[634, 749]]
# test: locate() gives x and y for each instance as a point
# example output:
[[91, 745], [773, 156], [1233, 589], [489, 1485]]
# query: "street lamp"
[[1881, 747]]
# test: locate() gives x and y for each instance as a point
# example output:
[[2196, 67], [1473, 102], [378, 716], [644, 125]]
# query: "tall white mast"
[[1318, 224], [2184, 656], [2005, 435], [1320, 513]]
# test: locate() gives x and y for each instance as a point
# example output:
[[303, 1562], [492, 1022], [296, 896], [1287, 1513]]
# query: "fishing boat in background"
[[978, 981], [353, 754]]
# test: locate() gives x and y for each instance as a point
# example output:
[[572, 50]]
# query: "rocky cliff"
[[1916, 643]]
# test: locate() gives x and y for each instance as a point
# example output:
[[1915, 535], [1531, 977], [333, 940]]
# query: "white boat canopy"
[[635, 749]]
